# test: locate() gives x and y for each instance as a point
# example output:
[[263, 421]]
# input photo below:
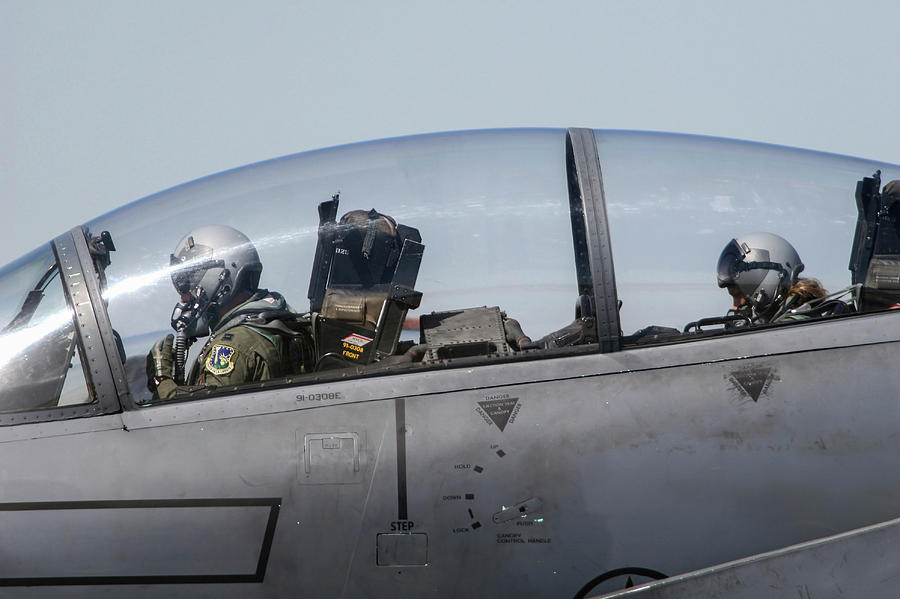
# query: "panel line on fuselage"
[[402, 512]]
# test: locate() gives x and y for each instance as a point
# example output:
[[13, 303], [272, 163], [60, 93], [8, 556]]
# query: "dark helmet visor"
[[729, 263], [189, 266], [187, 277]]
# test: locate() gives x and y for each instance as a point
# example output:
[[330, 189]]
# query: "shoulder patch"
[[220, 360], [227, 337]]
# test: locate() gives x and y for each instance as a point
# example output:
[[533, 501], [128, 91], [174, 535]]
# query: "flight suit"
[[241, 354], [237, 352]]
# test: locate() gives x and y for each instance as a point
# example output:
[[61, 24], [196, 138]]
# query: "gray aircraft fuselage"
[[654, 458]]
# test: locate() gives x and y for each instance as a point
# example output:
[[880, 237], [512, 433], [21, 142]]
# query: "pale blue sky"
[[106, 102]]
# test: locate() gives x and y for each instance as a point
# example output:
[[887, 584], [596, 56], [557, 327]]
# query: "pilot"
[[759, 271], [216, 271]]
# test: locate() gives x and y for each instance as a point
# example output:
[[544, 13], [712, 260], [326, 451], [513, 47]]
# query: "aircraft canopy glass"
[[674, 202], [492, 209], [39, 369]]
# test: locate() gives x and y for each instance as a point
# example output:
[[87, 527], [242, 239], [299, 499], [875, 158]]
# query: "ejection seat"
[[362, 285], [875, 258]]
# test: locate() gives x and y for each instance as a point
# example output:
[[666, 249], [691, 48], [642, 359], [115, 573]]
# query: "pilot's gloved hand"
[[160, 361], [892, 188]]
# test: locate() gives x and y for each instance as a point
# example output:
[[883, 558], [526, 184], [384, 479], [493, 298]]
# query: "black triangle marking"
[[499, 410], [629, 583], [752, 381]]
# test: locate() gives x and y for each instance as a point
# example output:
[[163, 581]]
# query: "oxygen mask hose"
[[181, 348], [184, 315]]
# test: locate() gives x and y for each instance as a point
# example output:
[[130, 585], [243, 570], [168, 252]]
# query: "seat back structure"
[[362, 285]]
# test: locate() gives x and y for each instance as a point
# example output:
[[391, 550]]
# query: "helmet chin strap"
[[221, 291], [759, 304], [764, 308]]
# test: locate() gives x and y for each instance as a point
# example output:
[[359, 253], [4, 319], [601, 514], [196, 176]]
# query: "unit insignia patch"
[[220, 360]]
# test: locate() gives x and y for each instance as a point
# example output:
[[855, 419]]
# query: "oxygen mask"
[[192, 315]]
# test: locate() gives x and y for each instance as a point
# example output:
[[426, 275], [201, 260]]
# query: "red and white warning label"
[[357, 340]]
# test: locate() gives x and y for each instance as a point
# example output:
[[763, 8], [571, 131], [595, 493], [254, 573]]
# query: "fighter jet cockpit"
[[694, 220], [441, 251]]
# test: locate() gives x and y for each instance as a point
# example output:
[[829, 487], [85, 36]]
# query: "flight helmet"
[[763, 266], [210, 266]]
